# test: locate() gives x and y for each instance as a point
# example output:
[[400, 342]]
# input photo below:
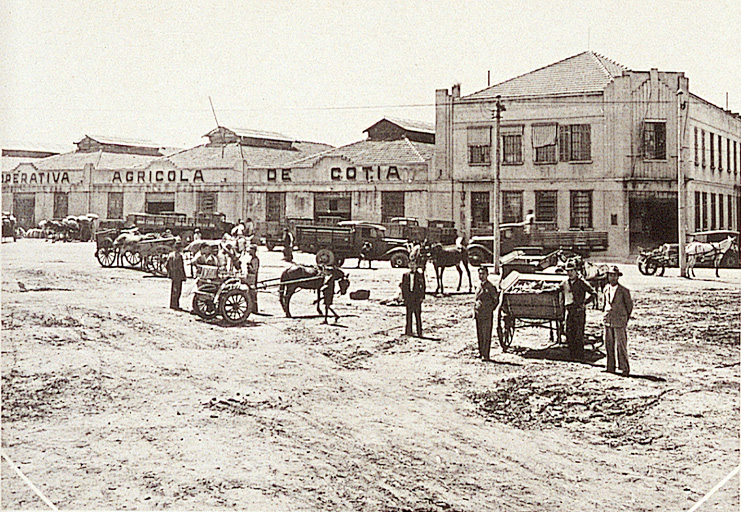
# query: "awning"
[[544, 135]]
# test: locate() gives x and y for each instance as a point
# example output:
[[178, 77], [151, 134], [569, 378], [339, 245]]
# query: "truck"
[[333, 244], [271, 232], [211, 225], [409, 228], [514, 236]]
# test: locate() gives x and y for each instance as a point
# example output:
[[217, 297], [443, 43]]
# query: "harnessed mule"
[[450, 257], [701, 250]]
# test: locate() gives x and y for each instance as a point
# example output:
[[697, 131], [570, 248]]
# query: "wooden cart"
[[531, 300]]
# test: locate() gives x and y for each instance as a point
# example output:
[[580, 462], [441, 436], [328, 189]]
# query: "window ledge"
[[513, 163], [481, 164], [545, 163], [580, 162], [660, 160]]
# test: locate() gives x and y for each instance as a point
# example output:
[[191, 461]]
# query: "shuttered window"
[[546, 205], [544, 142], [61, 205], [698, 216], [275, 206], [581, 209], [512, 144], [654, 140], [479, 145], [115, 205], [392, 205], [575, 143], [512, 206], [206, 202], [479, 208]]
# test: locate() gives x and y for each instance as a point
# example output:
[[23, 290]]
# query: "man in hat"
[[251, 269], [287, 245], [412, 294], [577, 294], [617, 310], [487, 300], [176, 272]]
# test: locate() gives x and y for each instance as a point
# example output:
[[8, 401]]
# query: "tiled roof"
[[123, 142], [376, 152], [254, 134], [226, 156], [586, 72], [99, 159], [410, 125]]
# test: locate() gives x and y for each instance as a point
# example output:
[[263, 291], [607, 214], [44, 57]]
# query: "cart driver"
[[251, 268], [205, 257]]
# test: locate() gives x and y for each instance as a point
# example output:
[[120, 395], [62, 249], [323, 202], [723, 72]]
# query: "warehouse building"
[[387, 175], [589, 144]]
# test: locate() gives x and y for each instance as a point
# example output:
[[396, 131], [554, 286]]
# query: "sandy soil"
[[110, 400]]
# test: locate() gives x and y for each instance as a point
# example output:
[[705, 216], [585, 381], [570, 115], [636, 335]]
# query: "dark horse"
[[450, 257], [311, 278]]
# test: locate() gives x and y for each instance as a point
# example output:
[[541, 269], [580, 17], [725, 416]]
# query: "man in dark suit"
[[176, 272], [413, 293], [617, 311]]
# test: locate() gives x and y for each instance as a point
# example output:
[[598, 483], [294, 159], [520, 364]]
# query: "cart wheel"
[[204, 306], [505, 330], [651, 267], [399, 260], [325, 257], [235, 306], [270, 245], [133, 258], [158, 261], [660, 272], [641, 263], [106, 256]]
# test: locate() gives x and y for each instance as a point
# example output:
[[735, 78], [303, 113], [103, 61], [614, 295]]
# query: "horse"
[[310, 278], [700, 250], [450, 257]]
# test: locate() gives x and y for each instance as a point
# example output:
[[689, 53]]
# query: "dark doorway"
[[653, 221], [24, 206]]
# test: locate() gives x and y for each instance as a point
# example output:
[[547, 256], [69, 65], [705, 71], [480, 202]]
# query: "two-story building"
[[589, 144]]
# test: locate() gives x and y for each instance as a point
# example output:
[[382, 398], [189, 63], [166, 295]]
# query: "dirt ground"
[[110, 400]]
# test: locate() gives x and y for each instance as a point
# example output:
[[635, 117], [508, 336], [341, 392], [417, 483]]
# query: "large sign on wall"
[[159, 176], [36, 178]]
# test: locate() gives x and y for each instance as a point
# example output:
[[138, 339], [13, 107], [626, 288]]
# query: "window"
[[654, 140], [698, 217], [729, 158], [392, 205], [61, 203], [697, 147], [720, 153], [713, 212], [735, 157], [479, 145], [206, 201], [546, 206], [712, 150], [479, 208], [730, 211], [115, 205], [720, 211], [332, 206], [512, 144], [581, 209], [704, 161], [704, 211], [575, 141], [544, 143], [512, 206]]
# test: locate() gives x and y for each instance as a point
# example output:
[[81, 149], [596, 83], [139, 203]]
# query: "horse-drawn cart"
[[146, 252], [220, 293], [531, 300]]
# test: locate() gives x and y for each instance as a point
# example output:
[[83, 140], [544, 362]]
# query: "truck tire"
[[325, 257], [270, 245], [477, 256]]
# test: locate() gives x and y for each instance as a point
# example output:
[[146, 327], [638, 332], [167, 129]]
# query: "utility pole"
[[681, 191], [498, 116]]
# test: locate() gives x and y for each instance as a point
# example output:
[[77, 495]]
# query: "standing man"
[[412, 294], [617, 311], [326, 293], [287, 245], [176, 272], [366, 253], [487, 299], [253, 266], [577, 294]]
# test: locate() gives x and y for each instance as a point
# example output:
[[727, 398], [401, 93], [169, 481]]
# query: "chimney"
[[456, 91]]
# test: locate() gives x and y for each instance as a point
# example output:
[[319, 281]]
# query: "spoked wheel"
[[158, 262], [133, 258], [399, 260], [235, 306], [106, 256], [325, 257], [477, 257], [651, 267], [505, 330], [641, 263], [204, 306]]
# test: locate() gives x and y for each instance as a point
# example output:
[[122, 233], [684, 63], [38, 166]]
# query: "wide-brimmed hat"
[[613, 269], [570, 265], [252, 248]]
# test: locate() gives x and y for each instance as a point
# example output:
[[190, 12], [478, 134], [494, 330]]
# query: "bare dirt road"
[[110, 400]]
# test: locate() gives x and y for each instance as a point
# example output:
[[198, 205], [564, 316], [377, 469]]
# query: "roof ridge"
[[601, 65], [414, 148]]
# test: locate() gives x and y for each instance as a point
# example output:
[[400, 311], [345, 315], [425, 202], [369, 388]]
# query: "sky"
[[319, 71]]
